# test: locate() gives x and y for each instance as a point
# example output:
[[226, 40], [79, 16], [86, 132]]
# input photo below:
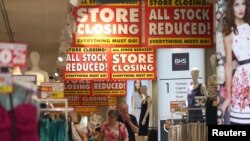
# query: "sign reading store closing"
[[179, 23], [100, 63], [133, 63], [107, 24]]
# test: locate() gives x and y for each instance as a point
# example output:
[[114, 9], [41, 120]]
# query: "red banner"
[[95, 100], [13, 54], [110, 88], [179, 23], [133, 63], [78, 87], [79, 100], [107, 24], [87, 63]]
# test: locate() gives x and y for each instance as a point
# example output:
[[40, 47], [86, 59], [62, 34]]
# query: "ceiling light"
[[60, 59]]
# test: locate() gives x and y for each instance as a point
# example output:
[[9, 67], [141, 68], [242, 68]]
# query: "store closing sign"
[[87, 63], [179, 23], [133, 63], [79, 100], [79, 87], [13, 54], [110, 88], [108, 24]]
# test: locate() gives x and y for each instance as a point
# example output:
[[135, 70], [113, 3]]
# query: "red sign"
[[87, 63], [78, 87], [108, 24], [133, 63], [178, 23], [95, 100], [13, 54], [110, 88], [79, 100]]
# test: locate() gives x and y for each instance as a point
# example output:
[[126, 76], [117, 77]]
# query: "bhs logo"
[[180, 61]]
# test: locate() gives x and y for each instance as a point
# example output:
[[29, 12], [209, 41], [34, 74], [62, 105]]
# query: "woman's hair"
[[135, 89], [114, 113], [228, 17]]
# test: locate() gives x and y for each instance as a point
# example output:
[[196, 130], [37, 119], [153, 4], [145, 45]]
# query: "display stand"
[[66, 109]]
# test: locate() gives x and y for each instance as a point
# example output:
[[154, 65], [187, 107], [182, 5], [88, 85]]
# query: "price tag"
[[13, 54], [6, 86]]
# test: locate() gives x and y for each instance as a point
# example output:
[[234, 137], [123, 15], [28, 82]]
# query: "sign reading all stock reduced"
[[87, 63], [107, 24], [179, 23]]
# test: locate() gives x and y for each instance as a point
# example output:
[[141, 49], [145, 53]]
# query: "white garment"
[[240, 106]]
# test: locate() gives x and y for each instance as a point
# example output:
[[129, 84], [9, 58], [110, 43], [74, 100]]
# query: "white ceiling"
[[39, 24]]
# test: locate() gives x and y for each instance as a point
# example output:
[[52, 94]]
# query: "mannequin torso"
[[42, 76]]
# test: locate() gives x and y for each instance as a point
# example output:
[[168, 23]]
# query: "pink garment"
[[114, 135], [26, 123]]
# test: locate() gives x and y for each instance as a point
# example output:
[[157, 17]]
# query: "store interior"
[[46, 27]]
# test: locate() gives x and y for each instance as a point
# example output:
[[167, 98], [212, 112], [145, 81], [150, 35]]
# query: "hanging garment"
[[26, 124]]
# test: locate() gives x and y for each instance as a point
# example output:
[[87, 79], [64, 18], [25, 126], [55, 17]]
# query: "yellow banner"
[[83, 92], [85, 109], [109, 92], [179, 41], [84, 75], [107, 40], [112, 101], [139, 49], [134, 75], [116, 3], [179, 3]]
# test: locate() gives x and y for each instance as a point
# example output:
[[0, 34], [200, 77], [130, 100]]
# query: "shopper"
[[144, 116], [236, 36], [79, 132], [129, 121], [112, 129]]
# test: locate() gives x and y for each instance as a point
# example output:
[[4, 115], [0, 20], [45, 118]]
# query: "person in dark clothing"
[[129, 121]]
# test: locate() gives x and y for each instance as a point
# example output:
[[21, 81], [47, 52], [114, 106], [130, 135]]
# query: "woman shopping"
[[113, 130]]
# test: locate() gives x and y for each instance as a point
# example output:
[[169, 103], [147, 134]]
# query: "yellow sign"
[[6, 83]]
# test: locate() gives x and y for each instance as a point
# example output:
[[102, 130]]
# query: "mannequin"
[[42, 76], [144, 115], [212, 84], [211, 104], [196, 89], [136, 99]]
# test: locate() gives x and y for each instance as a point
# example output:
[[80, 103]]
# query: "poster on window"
[[87, 63], [133, 63], [233, 65], [178, 23], [109, 24]]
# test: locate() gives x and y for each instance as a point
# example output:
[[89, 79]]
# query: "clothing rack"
[[66, 109]]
